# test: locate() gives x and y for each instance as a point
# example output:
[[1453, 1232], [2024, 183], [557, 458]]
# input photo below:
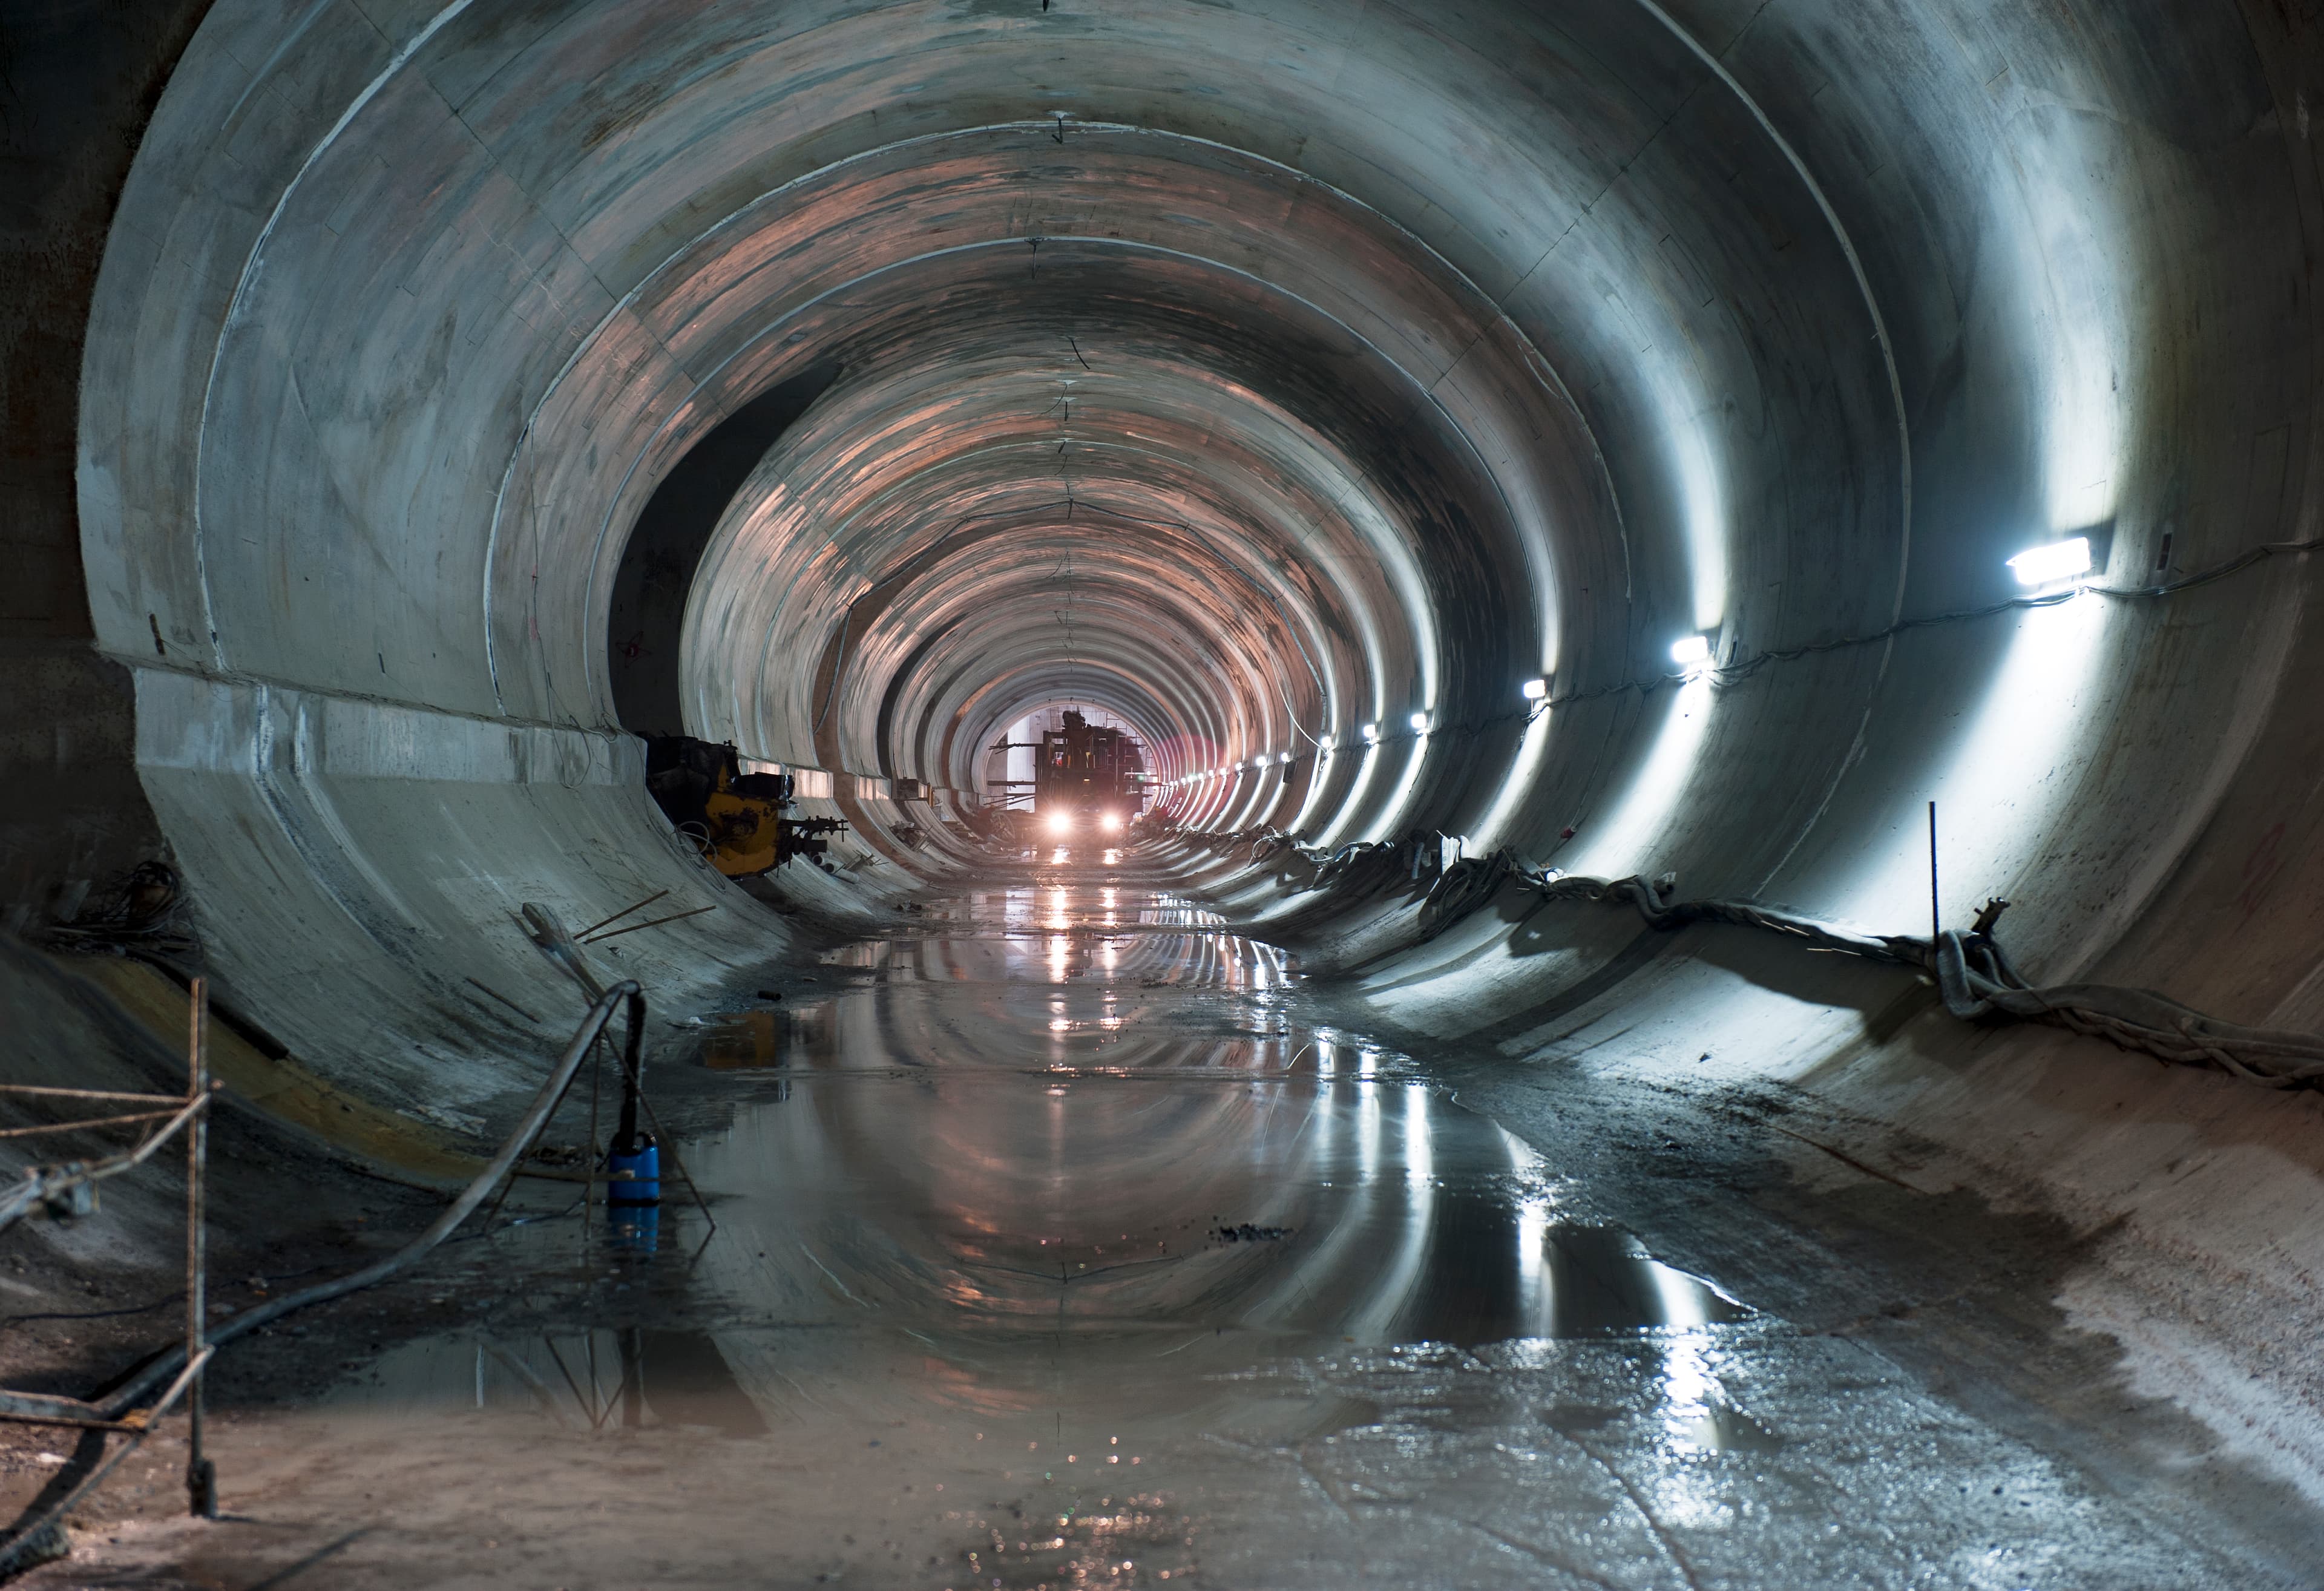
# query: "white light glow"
[[1536, 689], [1691, 649], [1285, 759], [1518, 783], [1354, 800], [1060, 824], [1393, 812], [2057, 560], [1110, 822], [1420, 723], [2017, 756], [1371, 734], [1622, 841]]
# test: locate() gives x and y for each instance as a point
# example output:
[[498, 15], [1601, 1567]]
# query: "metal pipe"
[[201, 1475]]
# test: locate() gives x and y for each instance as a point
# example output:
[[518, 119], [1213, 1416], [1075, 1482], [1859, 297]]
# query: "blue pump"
[[641, 1157]]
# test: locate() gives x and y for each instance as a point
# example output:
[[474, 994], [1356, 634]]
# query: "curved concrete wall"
[[1258, 374]]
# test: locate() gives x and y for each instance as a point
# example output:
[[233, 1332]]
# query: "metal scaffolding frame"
[[66, 1189]]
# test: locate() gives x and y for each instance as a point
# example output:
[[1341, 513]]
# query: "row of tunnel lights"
[[2042, 565]]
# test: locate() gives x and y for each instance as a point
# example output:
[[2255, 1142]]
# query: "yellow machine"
[[745, 831], [735, 819]]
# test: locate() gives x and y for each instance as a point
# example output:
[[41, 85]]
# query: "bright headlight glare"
[[1060, 824], [2056, 560], [1110, 822], [1690, 649]]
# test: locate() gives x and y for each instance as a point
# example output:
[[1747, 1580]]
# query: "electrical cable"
[[536, 1116], [1974, 977]]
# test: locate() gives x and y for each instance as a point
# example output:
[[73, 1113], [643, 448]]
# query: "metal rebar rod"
[[596, 1155], [93, 1121], [201, 1474], [140, 1427], [40, 1185], [658, 922], [88, 1094], [1936, 916], [624, 911]]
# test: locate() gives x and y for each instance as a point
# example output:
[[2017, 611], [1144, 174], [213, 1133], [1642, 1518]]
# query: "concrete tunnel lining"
[[401, 327]]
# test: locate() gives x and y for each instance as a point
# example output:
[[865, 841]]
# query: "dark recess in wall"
[[78, 82], [666, 546]]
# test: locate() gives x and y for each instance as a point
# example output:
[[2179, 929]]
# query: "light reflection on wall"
[[2073, 257], [1393, 812], [1621, 841], [1516, 784], [1316, 780], [2020, 754], [1354, 802], [1703, 508]]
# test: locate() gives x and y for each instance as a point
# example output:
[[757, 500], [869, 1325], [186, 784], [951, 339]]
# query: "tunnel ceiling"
[[1257, 373]]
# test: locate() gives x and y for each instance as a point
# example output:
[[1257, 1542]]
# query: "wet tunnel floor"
[[1059, 1243]]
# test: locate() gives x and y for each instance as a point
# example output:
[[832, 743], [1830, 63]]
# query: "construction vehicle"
[[1086, 776]]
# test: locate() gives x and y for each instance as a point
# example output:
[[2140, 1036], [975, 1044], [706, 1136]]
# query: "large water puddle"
[[1010, 1150], [1054, 1248]]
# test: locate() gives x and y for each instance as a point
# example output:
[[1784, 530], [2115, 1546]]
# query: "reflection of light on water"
[[1060, 953], [1691, 1401], [1366, 1061], [1060, 855], [1681, 1295], [1687, 1387], [1110, 857], [1419, 1166], [1524, 1160], [2019, 757], [1621, 843], [1535, 1307]]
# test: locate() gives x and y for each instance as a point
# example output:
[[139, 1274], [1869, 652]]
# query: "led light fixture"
[[1420, 723], [1536, 689], [1691, 649], [1371, 734], [2056, 560]]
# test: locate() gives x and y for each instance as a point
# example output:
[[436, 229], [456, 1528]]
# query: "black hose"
[[536, 1116]]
